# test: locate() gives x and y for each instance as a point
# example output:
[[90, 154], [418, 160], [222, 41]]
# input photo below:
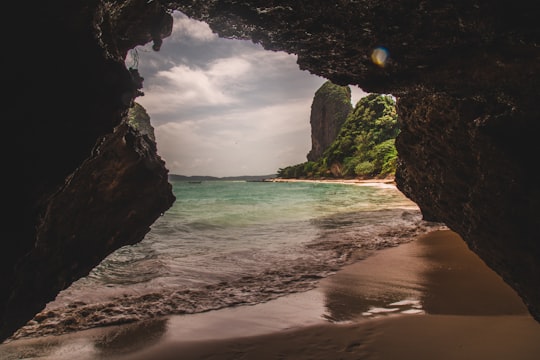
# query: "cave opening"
[[80, 308], [206, 97], [225, 107]]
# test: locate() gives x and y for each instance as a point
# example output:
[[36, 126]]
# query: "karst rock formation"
[[80, 182], [330, 107]]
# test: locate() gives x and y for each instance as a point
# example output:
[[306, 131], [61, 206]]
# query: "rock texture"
[[139, 119], [81, 183], [330, 107]]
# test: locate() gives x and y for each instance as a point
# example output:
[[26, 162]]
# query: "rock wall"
[[330, 107], [81, 183], [468, 163]]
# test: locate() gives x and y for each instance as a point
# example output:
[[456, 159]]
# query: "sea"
[[234, 243]]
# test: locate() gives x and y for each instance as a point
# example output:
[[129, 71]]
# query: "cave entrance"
[[222, 108], [225, 107]]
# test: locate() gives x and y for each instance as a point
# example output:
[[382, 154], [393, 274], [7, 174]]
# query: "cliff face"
[[363, 148], [329, 110], [81, 183], [139, 119]]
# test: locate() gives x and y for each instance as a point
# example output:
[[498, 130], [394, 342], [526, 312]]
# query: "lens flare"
[[379, 56]]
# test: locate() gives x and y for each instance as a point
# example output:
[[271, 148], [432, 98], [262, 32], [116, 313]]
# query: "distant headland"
[[176, 177]]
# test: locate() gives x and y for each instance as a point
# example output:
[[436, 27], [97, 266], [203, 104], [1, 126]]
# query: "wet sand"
[[428, 299]]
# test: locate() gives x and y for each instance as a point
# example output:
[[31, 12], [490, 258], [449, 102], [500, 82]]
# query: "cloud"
[[182, 86], [186, 29], [251, 75], [226, 107], [263, 139]]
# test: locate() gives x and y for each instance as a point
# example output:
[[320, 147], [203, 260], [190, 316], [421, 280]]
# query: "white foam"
[[413, 311], [375, 310], [406, 302]]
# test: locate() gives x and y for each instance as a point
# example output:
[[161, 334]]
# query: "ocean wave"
[[246, 276]]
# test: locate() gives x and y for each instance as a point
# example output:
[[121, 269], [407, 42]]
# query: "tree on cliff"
[[364, 147]]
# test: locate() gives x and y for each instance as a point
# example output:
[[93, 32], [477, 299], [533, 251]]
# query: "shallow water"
[[224, 244]]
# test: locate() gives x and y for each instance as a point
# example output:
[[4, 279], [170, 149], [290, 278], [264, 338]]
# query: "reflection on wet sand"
[[101, 343], [461, 283], [391, 281], [131, 337], [439, 275]]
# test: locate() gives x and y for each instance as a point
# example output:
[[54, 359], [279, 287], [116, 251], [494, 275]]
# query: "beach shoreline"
[[437, 269], [360, 182], [429, 298]]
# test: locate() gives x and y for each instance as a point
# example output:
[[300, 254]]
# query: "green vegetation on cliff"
[[139, 119], [364, 147]]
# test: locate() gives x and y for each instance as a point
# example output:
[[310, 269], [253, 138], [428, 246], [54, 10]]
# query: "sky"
[[223, 107]]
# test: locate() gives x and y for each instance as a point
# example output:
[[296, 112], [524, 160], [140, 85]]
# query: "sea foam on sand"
[[431, 298]]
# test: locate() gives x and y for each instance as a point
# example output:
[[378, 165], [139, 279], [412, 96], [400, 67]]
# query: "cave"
[[82, 183]]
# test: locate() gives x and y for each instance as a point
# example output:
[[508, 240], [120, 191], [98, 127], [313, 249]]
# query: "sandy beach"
[[467, 312], [428, 299], [387, 181]]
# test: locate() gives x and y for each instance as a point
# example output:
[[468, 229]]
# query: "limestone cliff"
[[363, 148], [80, 183], [330, 107]]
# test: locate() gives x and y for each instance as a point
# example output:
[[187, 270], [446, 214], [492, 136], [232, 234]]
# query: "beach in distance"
[[389, 181], [392, 291]]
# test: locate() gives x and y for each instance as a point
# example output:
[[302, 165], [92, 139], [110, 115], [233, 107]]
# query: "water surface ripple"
[[226, 243]]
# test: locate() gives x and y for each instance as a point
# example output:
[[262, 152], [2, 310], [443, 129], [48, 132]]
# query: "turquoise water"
[[226, 243]]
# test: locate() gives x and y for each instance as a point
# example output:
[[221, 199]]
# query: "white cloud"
[[184, 86], [185, 29], [228, 68]]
